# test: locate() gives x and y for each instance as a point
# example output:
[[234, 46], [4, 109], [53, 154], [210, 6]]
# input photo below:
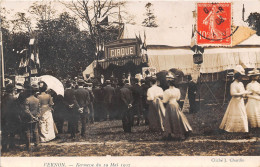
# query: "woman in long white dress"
[[235, 118], [253, 104], [154, 96], [176, 125], [46, 122]]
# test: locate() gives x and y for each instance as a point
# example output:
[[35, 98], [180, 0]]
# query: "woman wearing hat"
[[253, 104], [46, 123], [235, 118], [176, 125]]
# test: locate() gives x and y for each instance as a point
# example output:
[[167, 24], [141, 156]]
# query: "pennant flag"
[[139, 41], [241, 34], [144, 44], [140, 38], [193, 40], [37, 58], [103, 20], [26, 62], [32, 57], [21, 63]]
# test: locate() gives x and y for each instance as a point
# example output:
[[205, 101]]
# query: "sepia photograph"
[[117, 83]]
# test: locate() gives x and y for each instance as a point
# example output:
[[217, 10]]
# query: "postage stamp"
[[214, 24]]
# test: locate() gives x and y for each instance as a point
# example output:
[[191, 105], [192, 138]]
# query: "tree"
[[95, 13], [21, 23], [64, 49], [149, 21], [42, 10], [254, 22]]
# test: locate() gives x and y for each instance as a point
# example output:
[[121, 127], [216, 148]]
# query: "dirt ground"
[[107, 138]]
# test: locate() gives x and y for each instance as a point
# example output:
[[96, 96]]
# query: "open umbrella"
[[54, 84]]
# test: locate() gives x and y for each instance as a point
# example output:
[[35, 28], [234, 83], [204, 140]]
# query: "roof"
[[171, 36]]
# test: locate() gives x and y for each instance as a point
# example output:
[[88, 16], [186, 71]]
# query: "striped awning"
[[122, 61]]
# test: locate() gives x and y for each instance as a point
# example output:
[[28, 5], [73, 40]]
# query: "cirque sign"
[[122, 51], [214, 24], [122, 48]]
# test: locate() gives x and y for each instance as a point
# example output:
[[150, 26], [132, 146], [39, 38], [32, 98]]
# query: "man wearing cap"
[[83, 98], [30, 117], [72, 107], [10, 118], [109, 93]]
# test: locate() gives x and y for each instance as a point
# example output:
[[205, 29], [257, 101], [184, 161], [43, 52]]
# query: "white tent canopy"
[[171, 49], [89, 70]]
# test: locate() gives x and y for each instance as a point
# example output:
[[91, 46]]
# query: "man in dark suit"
[[88, 86], [83, 98], [192, 89], [145, 86], [109, 93], [137, 95], [126, 99], [98, 102], [30, 117], [72, 107], [10, 118]]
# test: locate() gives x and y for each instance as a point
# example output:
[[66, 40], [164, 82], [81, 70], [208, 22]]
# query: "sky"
[[176, 14]]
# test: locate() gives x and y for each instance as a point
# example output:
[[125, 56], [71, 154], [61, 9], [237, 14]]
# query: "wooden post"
[[2, 58]]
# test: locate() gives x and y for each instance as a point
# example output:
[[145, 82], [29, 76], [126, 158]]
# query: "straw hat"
[[239, 69], [19, 86], [169, 76], [253, 72]]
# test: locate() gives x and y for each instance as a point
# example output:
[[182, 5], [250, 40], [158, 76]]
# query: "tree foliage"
[[150, 20], [254, 22]]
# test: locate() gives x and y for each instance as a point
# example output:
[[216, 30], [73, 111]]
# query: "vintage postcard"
[[111, 83]]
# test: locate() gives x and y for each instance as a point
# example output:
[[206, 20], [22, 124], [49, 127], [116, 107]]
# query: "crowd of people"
[[37, 114]]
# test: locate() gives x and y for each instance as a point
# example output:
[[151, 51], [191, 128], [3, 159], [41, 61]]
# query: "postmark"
[[214, 24]]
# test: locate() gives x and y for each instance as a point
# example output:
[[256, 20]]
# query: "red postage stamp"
[[214, 24]]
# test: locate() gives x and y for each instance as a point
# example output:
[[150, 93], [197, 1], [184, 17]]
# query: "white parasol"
[[54, 84]]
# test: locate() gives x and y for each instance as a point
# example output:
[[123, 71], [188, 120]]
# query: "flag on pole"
[[144, 44], [139, 41], [37, 58], [26, 62], [21, 63], [32, 57]]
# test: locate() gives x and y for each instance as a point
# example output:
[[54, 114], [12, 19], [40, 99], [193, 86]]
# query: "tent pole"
[[199, 90], [2, 58]]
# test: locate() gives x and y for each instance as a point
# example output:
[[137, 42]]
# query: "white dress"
[[155, 114], [253, 104], [235, 118], [46, 123], [175, 122]]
